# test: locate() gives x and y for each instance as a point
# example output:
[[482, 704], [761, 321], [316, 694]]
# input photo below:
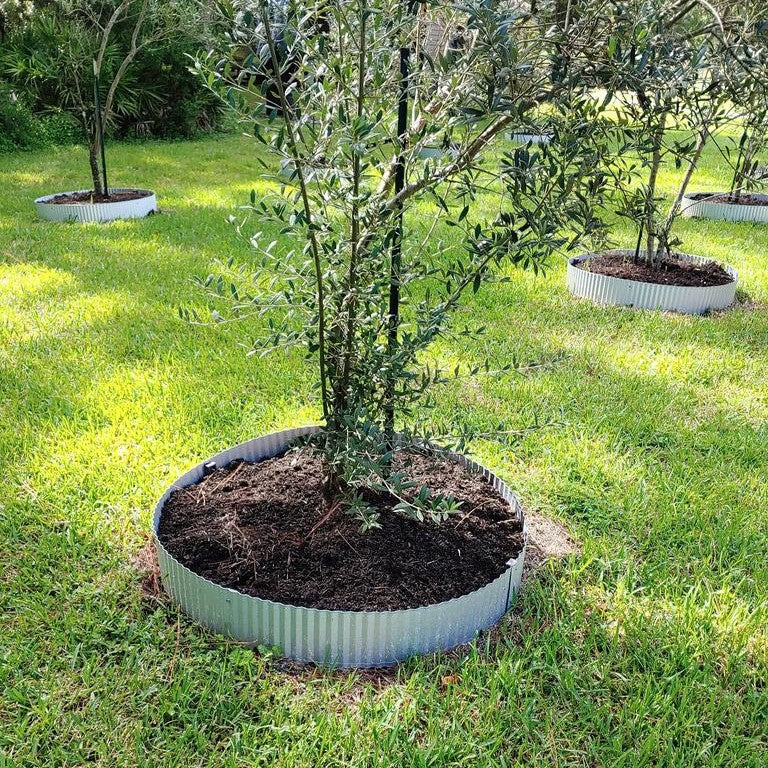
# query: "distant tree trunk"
[[663, 244], [93, 159]]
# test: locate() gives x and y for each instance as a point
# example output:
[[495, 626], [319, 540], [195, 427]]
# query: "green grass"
[[649, 648]]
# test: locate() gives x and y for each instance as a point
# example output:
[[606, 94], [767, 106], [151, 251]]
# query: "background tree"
[[680, 72], [137, 49], [668, 73], [748, 93]]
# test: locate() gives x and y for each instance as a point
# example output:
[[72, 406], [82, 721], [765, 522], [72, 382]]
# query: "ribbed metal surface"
[[437, 153], [336, 638], [533, 138], [704, 209], [430, 153], [124, 209], [604, 289]]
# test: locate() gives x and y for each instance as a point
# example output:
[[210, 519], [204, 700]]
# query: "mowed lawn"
[[648, 647]]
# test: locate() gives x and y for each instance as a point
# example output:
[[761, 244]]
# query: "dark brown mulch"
[[87, 198], [744, 199], [267, 530], [671, 271]]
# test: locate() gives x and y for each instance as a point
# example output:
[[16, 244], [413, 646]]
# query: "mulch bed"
[[744, 199], [87, 198], [671, 270], [268, 530]]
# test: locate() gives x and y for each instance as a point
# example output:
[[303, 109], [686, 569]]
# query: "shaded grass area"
[[647, 648]]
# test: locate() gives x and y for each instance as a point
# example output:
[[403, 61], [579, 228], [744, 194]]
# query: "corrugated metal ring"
[[605, 289], [335, 638]]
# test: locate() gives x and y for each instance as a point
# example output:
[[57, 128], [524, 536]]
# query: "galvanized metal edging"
[[605, 289], [334, 638], [96, 212], [533, 138], [704, 208]]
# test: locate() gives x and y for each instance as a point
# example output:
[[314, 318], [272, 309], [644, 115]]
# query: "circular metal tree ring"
[[334, 638], [83, 212], [694, 206], [606, 289]]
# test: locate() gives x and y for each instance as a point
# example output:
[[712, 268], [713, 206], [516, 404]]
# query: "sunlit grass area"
[[648, 648]]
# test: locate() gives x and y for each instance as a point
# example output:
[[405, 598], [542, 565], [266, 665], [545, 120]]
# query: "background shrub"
[[158, 97], [19, 128], [182, 106]]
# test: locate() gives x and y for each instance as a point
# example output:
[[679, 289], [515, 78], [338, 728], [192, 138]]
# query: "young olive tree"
[[75, 56], [668, 63], [379, 248], [748, 93]]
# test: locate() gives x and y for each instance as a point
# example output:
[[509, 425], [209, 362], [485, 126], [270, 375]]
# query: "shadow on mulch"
[[547, 540]]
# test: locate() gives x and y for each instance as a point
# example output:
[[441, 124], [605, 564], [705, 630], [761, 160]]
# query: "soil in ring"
[[724, 199], [267, 529], [671, 270], [89, 198]]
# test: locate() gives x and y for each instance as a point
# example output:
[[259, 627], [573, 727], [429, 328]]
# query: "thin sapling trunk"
[[674, 210], [354, 227], [314, 245], [651, 233], [97, 144], [734, 192], [93, 161]]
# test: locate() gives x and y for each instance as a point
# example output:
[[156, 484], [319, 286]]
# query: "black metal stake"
[[100, 126], [397, 235]]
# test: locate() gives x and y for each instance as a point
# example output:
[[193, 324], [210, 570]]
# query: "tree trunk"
[[734, 193], [693, 163], [650, 225], [93, 159]]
